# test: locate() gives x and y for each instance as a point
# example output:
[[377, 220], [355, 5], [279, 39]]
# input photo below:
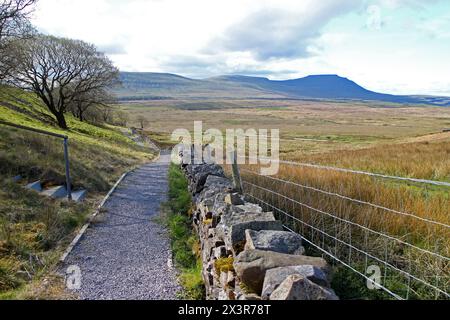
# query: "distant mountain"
[[143, 86]]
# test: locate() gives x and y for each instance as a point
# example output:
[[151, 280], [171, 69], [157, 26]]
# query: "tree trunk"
[[61, 121]]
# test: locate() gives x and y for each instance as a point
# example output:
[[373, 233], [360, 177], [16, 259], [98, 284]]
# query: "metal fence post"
[[66, 160], [237, 181]]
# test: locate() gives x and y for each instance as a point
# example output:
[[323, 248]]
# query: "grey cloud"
[[193, 66], [279, 33], [207, 66]]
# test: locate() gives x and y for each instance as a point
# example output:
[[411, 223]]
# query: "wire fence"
[[358, 172], [397, 253]]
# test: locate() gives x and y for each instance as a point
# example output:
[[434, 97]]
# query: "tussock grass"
[[33, 233], [333, 212], [422, 160]]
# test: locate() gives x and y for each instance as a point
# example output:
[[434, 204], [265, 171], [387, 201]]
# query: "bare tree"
[[14, 16], [106, 113], [143, 122], [121, 118], [60, 71], [14, 24], [88, 100]]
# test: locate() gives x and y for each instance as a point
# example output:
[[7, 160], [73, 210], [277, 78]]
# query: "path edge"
[[83, 230], [91, 218]]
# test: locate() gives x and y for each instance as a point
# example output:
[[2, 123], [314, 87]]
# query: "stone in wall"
[[277, 241], [275, 277], [198, 174], [233, 226], [298, 287], [251, 266]]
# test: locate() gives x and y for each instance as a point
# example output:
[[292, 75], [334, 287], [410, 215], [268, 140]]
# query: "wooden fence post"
[[237, 181]]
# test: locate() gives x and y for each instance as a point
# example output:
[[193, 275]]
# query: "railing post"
[[237, 181], [66, 160]]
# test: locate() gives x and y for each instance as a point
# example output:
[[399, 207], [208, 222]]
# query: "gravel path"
[[127, 255]]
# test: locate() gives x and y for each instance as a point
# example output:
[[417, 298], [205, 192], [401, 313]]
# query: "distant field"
[[416, 144]]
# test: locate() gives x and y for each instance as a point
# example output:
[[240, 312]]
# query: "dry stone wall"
[[246, 254]]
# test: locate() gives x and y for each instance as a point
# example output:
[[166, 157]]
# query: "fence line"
[[378, 175], [347, 198], [387, 264], [409, 270], [345, 264], [318, 247], [349, 222]]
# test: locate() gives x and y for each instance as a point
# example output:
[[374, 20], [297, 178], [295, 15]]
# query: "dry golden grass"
[[323, 216], [422, 160]]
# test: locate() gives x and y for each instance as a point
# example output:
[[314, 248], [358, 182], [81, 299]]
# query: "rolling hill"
[[153, 86]]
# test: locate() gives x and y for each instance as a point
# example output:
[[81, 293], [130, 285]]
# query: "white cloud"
[[275, 38]]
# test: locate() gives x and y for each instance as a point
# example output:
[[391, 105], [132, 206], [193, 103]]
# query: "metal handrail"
[[66, 149]]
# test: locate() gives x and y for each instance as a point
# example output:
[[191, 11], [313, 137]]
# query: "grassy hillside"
[[35, 230]]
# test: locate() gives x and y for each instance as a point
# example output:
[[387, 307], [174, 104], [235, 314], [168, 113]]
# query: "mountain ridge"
[[150, 86]]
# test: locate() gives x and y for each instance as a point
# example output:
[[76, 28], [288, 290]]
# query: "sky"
[[390, 46]]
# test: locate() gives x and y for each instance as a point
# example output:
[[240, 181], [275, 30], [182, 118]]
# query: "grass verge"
[[184, 241]]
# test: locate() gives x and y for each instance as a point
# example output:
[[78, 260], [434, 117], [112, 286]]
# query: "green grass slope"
[[34, 230]]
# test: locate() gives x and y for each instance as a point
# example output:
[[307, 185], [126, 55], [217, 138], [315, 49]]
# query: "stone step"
[[56, 192], [79, 196], [36, 186]]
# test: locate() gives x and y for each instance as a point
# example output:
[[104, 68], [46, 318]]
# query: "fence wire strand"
[[349, 199], [430, 264], [360, 172], [368, 255], [351, 222]]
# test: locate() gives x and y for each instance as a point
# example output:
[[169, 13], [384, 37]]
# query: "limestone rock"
[[220, 252], [200, 173], [211, 233], [232, 227], [224, 279], [249, 207], [206, 208], [223, 296], [251, 265], [277, 241], [234, 199], [231, 279], [297, 287], [274, 277], [218, 182], [250, 297]]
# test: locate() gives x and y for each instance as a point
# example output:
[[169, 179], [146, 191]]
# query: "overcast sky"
[[393, 46]]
